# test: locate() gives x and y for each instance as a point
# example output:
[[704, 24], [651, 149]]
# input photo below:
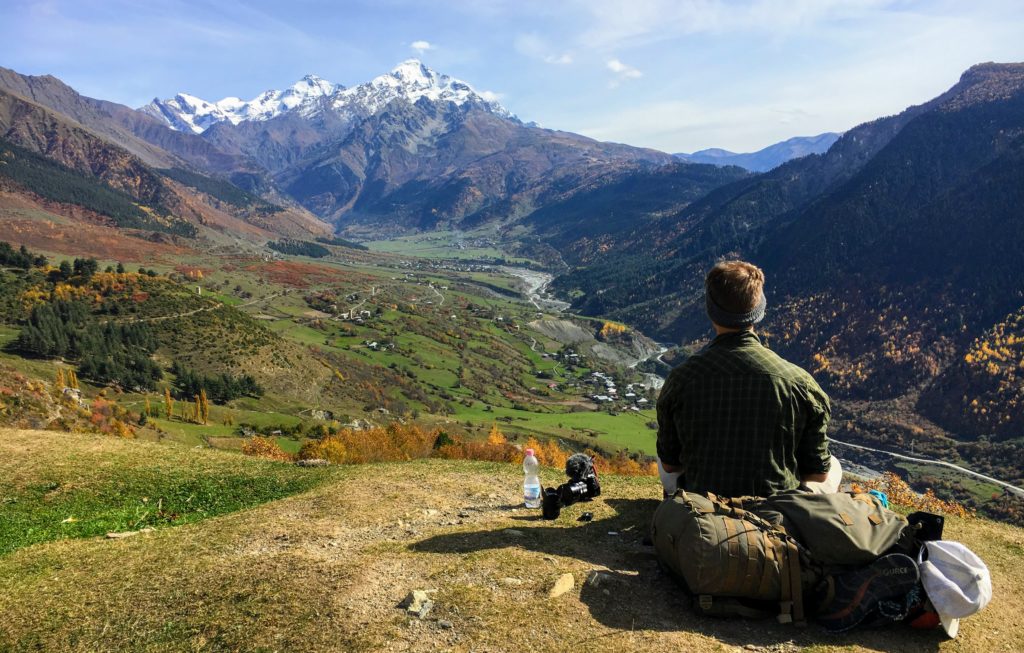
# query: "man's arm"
[[669, 448], [812, 455]]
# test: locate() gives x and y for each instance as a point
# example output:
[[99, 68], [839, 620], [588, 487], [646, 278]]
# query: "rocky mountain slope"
[[766, 158], [144, 136], [99, 164], [409, 150]]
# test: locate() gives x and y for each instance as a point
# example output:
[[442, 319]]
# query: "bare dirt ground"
[[326, 570]]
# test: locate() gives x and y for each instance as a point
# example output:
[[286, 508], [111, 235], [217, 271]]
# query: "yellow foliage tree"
[[204, 406], [168, 403]]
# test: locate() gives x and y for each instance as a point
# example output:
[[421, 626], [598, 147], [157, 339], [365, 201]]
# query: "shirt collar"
[[736, 339]]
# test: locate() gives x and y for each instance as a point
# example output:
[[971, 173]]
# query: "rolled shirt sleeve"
[[812, 454]]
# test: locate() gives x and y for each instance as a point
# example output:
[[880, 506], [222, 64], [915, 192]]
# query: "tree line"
[[20, 258], [220, 388], [106, 352], [59, 183], [299, 248]]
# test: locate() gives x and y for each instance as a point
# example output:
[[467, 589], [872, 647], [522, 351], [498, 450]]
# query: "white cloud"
[[622, 72], [561, 60], [535, 47], [421, 46], [491, 96]]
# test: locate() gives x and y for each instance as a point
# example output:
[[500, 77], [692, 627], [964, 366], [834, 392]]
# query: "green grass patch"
[[59, 486]]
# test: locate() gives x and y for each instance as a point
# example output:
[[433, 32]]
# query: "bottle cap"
[[529, 452]]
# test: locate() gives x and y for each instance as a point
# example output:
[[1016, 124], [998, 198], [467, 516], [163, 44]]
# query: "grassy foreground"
[[57, 486], [324, 570]]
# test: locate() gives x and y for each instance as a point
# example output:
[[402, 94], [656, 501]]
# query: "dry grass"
[[324, 571]]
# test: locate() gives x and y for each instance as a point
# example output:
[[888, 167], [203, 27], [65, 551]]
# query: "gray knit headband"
[[722, 317]]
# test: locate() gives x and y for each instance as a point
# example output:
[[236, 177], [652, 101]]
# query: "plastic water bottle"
[[531, 485]]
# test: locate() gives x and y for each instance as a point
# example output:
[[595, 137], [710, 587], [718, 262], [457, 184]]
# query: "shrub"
[[399, 442], [268, 448], [901, 494]]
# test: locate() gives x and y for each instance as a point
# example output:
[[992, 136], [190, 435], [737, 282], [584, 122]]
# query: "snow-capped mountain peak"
[[413, 71], [409, 81]]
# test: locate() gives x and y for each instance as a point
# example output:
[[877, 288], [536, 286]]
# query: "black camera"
[[582, 486]]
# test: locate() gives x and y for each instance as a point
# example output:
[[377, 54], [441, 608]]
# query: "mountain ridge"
[[768, 157], [409, 80]]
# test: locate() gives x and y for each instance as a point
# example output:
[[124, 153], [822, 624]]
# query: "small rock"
[[463, 514], [492, 496], [312, 462], [417, 603], [511, 532], [124, 534], [564, 584], [447, 625], [599, 578], [511, 582], [430, 512]]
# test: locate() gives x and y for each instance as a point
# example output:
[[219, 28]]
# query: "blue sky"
[[676, 75]]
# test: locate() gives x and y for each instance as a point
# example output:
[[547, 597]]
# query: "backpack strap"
[[734, 566], [796, 586], [752, 578], [785, 581], [771, 559]]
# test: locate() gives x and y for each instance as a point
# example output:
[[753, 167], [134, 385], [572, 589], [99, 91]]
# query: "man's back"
[[740, 420]]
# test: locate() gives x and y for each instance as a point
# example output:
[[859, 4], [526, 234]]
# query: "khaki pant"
[[829, 486]]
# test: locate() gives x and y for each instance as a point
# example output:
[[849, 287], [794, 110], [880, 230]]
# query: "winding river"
[[536, 291]]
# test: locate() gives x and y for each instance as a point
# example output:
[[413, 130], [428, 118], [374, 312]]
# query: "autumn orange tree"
[[261, 447]]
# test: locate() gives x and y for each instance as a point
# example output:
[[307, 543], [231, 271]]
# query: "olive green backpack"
[[753, 557]]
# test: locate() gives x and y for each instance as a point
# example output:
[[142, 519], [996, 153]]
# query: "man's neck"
[[719, 329]]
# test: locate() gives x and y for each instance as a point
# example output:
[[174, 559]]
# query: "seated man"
[[737, 419]]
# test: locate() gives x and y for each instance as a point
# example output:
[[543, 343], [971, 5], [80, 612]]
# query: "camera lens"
[[550, 505]]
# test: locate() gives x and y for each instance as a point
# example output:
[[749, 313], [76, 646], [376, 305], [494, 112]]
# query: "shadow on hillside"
[[637, 595]]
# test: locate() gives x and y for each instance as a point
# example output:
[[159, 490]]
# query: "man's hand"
[[812, 478]]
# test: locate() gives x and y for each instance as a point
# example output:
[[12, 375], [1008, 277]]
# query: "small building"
[[73, 394]]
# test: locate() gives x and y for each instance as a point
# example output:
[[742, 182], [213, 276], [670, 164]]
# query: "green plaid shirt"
[[742, 421]]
